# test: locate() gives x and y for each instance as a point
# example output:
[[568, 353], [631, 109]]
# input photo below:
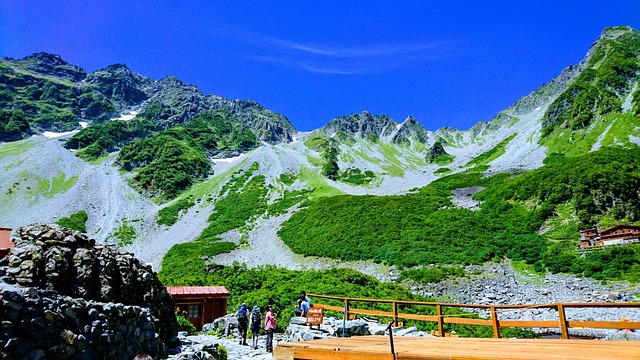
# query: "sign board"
[[314, 316]]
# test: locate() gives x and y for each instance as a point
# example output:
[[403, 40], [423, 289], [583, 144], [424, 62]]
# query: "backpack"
[[256, 320], [242, 312]]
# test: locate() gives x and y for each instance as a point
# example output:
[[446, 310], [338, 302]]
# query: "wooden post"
[[496, 326], [440, 320], [395, 313], [346, 309], [563, 322]]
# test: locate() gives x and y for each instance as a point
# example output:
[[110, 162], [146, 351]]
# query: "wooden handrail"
[[562, 323], [485, 306]]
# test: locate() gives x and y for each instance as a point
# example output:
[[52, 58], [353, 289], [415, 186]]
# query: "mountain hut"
[[202, 304]]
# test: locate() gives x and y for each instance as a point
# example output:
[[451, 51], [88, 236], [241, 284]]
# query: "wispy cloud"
[[327, 59]]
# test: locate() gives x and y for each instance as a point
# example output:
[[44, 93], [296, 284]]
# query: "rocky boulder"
[[435, 152]]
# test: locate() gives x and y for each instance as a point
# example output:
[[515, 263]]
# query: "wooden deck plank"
[[427, 348]]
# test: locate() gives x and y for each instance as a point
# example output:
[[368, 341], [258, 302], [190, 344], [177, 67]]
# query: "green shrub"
[[184, 324], [355, 176], [287, 179], [223, 354], [75, 221], [169, 215], [125, 234]]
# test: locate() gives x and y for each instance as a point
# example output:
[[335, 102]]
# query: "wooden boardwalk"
[[426, 348]]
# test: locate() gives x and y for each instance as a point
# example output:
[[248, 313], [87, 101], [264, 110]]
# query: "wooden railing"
[[562, 323]]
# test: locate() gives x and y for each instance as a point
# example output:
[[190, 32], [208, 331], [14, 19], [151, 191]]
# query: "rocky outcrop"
[[51, 65], [365, 125], [436, 152], [409, 130], [113, 301], [333, 327], [121, 85], [267, 125]]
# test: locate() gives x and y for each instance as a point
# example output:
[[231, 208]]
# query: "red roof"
[[5, 239], [183, 292]]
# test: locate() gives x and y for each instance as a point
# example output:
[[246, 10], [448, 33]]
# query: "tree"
[[330, 168]]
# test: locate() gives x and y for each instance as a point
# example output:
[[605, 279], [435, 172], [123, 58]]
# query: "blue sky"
[[447, 63]]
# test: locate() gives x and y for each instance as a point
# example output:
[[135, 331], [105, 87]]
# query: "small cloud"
[[326, 59]]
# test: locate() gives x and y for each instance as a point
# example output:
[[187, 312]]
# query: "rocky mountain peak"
[[615, 31], [365, 115], [51, 65], [363, 124], [410, 120], [410, 129], [123, 86], [173, 81]]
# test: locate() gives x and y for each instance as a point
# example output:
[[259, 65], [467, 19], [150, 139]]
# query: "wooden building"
[[202, 304], [588, 237], [619, 235], [5, 241]]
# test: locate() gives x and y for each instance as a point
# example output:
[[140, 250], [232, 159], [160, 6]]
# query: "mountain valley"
[[198, 185]]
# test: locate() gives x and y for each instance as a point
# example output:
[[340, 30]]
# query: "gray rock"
[[298, 320], [354, 327], [405, 332]]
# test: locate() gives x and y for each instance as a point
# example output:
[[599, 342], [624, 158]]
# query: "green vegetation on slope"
[[125, 234], [48, 188], [246, 198], [75, 221], [487, 157], [98, 140], [601, 87], [183, 265], [442, 171], [425, 228], [289, 199], [612, 129], [170, 161], [433, 274], [16, 148], [355, 176], [330, 167], [411, 229], [31, 101], [170, 214]]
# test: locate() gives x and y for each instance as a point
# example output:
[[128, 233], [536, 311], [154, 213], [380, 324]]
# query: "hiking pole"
[[393, 351]]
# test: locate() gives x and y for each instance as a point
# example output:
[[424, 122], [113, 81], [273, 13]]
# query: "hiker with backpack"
[[242, 315], [256, 323]]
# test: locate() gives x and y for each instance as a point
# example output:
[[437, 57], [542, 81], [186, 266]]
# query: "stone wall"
[[101, 297], [39, 324]]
